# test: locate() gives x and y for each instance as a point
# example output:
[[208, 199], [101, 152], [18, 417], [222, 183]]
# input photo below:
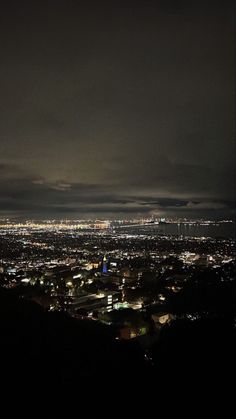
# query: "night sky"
[[117, 108]]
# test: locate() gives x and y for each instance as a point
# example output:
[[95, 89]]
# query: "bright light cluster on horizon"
[[101, 224]]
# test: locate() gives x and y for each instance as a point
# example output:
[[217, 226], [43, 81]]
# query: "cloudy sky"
[[117, 108]]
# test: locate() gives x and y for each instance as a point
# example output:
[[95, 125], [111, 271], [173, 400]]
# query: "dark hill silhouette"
[[196, 350], [53, 347]]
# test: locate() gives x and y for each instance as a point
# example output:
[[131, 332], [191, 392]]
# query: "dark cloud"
[[22, 195], [117, 107]]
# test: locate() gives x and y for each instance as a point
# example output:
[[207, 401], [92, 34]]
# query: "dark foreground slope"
[[51, 349]]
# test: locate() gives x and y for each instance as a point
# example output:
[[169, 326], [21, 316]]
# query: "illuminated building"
[[101, 225], [102, 301], [104, 265], [161, 319]]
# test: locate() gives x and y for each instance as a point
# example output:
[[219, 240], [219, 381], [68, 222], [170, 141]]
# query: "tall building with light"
[[104, 265]]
